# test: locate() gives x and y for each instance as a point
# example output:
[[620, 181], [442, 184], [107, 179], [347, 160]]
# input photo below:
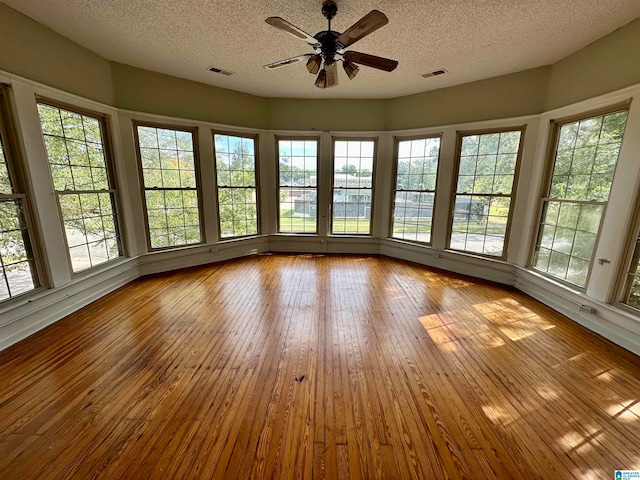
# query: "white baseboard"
[[607, 321], [478, 267], [165, 261], [53, 305], [49, 306]]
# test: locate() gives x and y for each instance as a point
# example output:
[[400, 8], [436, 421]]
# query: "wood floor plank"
[[283, 366]]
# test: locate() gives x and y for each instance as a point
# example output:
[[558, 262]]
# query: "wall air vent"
[[220, 71], [441, 71]]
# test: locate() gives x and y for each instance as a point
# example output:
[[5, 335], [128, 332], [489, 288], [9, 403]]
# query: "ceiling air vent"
[[441, 71], [220, 71]]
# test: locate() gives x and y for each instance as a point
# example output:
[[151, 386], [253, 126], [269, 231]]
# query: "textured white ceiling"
[[472, 39]]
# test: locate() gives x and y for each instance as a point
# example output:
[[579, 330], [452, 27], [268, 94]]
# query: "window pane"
[[17, 266], [297, 179], [90, 227], [352, 186], [416, 172], [487, 166], [16, 260], [584, 163], [632, 285], [5, 181], [168, 165], [237, 190], [78, 166]]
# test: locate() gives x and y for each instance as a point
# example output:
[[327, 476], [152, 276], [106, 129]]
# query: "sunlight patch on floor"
[[592, 474], [499, 415], [506, 311], [548, 393], [518, 330], [433, 321], [442, 338], [626, 411], [490, 340]]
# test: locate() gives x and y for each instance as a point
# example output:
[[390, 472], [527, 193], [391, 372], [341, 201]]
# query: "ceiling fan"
[[329, 44]]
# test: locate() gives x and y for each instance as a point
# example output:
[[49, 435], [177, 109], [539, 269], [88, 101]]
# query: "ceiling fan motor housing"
[[329, 44]]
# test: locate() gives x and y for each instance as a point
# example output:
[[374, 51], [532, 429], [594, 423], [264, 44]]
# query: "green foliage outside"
[[171, 196], [237, 193], [417, 164], [351, 169], [77, 164], [585, 161]]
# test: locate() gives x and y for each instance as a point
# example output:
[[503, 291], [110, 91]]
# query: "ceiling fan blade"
[[363, 27], [372, 61], [332, 74], [287, 61], [291, 29]]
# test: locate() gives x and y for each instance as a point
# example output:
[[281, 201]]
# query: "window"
[[352, 186], [17, 264], [416, 172], [487, 166], [297, 180], [79, 164], [237, 185], [584, 160], [631, 295], [168, 163]]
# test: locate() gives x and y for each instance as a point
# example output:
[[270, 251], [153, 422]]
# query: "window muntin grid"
[[631, 294], [17, 264], [237, 186], [414, 197], [482, 202], [169, 171], [585, 158], [80, 174], [352, 186], [297, 185]]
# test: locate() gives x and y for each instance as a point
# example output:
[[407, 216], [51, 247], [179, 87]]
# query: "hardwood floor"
[[280, 366]]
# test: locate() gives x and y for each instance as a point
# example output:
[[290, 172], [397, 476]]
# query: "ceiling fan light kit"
[[351, 69], [329, 45]]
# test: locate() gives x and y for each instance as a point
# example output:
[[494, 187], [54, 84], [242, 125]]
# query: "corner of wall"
[[608, 64], [38, 53]]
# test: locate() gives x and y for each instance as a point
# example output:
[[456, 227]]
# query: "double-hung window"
[[17, 264], [415, 190], [487, 164], [298, 185], [80, 167], [585, 153], [631, 292], [236, 179], [168, 163], [352, 186]]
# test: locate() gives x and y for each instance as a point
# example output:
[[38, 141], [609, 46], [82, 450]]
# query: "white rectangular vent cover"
[[441, 71], [220, 71]]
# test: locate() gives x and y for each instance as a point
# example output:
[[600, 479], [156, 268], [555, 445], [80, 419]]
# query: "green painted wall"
[[511, 95], [342, 115], [606, 65], [151, 92], [34, 51]]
